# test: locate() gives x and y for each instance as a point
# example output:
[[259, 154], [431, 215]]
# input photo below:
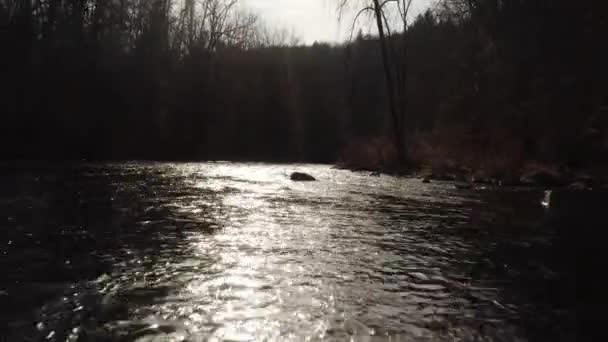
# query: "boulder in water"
[[541, 179], [301, 177], [443, 176], [464, 186], [538, 174]]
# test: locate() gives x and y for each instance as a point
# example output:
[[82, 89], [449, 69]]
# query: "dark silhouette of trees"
[[485, 84]]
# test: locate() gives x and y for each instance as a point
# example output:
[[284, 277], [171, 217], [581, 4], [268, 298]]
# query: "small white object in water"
[[546, 202]]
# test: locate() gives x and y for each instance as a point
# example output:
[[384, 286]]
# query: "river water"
[[238, 252]]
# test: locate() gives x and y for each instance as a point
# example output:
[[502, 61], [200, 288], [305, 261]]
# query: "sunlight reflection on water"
[[238, 252]]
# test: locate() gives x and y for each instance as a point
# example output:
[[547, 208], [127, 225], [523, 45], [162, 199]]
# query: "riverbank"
[[471, 165]]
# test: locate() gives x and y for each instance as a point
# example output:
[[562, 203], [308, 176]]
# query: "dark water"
[[237, 252]]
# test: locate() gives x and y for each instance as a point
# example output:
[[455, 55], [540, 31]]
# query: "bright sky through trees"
[[314, 20]]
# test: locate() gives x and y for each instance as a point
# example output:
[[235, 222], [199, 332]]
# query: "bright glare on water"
[[238, 252]]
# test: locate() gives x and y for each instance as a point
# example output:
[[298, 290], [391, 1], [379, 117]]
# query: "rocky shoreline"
[[543, 176]]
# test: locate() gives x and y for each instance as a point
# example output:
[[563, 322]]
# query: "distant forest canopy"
[[141, 79]]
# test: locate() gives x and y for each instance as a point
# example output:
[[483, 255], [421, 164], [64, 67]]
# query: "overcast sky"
[[313, 20]]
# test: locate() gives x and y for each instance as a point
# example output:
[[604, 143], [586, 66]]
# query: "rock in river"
[[542, 176], [302, 177], [464, 186]]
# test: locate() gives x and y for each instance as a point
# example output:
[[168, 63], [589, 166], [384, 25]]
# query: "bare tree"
[[203, 24], [395, 68]]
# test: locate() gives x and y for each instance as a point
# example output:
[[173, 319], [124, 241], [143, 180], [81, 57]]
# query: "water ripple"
[[237, 252]]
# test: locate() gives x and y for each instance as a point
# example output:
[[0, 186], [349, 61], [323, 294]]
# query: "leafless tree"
[[203, 24], [395, 68]]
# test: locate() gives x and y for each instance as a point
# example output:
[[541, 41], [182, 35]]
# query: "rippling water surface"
[[238, 252]]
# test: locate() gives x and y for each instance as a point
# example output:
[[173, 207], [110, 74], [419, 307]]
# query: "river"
[[238, 252]]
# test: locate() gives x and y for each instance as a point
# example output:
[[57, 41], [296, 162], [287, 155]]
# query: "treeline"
[[205, 80], [516, 81]]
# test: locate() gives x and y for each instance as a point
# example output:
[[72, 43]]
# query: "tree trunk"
[[390, 85], [402, 87]]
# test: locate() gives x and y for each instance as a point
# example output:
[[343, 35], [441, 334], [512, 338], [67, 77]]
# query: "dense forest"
[[490, 84]]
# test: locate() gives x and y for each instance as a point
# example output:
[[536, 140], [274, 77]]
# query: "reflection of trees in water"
[[69, 224]]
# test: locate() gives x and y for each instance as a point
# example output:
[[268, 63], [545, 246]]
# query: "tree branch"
[[369, 8]]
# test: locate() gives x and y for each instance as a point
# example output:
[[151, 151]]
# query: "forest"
[[491, 85]]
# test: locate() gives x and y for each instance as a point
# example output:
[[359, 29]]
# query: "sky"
[[314, 20]]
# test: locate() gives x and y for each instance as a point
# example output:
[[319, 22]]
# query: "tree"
[[395, 68]]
